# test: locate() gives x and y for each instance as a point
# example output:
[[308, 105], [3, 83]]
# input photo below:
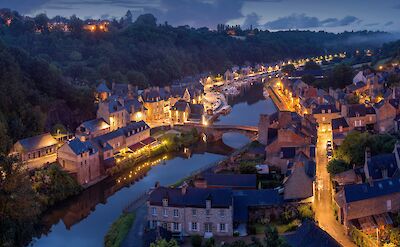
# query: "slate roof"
[[180, 106], [357, 85], [114, 106], [102, 88], [95, 124], [358, 192], [326, 107], [37, 142], [381, 162], [357, 109], [243, 199], [337, 122], [194, 197], [310, 235], [79, 147], [231, 180], [137, 106]]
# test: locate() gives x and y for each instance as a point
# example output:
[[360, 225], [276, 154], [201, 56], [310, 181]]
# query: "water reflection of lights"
[[145, 165]]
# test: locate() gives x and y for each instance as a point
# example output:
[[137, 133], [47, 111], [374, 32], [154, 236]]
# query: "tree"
[[340, 76], [165, 243], [336, 166], [42, 21], [309, 79], [247, 168], [311, 65], [18, 206], [146, 20], [75, 25], [129, 17], [196, 240], [272, 238], [288, 69], [353, 99]]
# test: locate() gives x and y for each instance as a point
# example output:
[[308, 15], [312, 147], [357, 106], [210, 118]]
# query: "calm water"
[[247, 107], [85, 219]]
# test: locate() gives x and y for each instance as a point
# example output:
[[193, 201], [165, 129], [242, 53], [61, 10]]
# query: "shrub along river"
[[84, 220]]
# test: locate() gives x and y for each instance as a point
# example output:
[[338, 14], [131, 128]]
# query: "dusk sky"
[[335, 15]]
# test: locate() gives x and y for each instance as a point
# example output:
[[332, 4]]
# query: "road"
[[323, 199]]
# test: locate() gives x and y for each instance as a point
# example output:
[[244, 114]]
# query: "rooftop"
[[37, 142], [365, 191]]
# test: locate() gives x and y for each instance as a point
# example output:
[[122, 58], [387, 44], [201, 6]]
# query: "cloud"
[[389, 23], [22, 6], [251, 20], [302, 21], [197, 13], [372, 24]]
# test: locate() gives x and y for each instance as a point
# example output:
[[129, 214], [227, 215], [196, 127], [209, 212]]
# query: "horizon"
[[272, 15]]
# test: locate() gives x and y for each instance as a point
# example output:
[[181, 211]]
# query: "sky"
[[328, 15]]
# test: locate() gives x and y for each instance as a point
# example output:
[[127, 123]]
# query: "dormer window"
[[165, 202]]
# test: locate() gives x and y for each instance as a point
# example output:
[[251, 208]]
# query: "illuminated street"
[[323, 196]]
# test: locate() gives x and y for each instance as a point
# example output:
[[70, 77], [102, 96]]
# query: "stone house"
[[154, 103], [359, 116], [192, 211], [180, 112], [299, 182], [324, 114], [114, 113], [36, 150], [382, 166], [386, 112], [92, 128], [358, 202], [81, 159], [340, 128]]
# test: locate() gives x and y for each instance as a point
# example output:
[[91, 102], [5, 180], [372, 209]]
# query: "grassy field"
[[118, 230]]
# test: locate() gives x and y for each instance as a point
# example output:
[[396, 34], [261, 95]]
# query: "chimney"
[[344, 110], [184, 188], [157, 185]]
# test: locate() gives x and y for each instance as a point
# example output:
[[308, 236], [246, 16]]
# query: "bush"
[[336, 166], [247, 168], [210, 242], [196, 240], [305, 212], [118, 230], [287, 216]]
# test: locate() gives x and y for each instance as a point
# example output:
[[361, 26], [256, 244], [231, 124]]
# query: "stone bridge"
[[216, 131]]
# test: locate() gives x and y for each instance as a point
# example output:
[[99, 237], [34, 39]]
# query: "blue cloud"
[[302, 21]]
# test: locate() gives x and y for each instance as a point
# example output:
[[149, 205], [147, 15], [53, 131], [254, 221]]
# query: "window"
[[194, 212], [207, 211], [222, 213], [222, 227], [153, 211], [341, 128], [176, 213], [165, 212], [323, 118], [208, 227], [153, 224], [176, 226], [194, 226], [357, 123]]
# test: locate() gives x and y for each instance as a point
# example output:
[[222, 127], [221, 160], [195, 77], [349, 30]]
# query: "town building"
[[192, 211], [340, 129], [36, 151], [367, 203], [359, 116], [324, 115], [81, 159], [386, 113], [92, 128]]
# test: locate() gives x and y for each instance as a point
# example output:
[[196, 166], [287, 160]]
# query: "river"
[[85, 219]]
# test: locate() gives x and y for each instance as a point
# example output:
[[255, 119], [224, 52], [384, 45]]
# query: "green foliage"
[[340, 76], [288, 215], [196, 240], [53, 184], [119, 229], [289, 68], [305, 212], [336, 166], [165, 243], [272, 237], [309, 79], [19, 208], [353, 99], [210, 242], [311, 65], [247, 167]]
